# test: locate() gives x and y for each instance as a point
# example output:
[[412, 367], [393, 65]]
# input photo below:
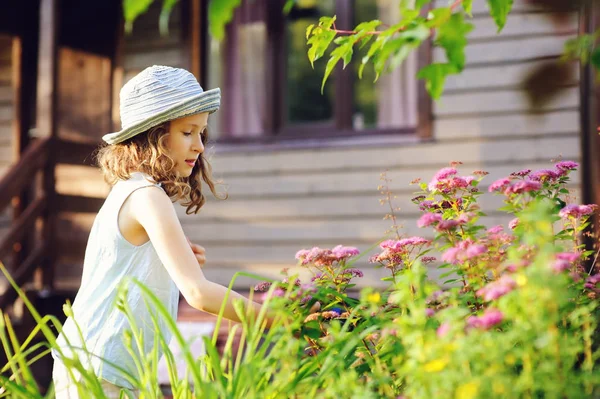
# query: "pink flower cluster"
[[490, 318], [354, 272], [465, 250], [566, 165], [577, 211], [497, 289], [593, 283], [543, 175], [428, 219], [498, 236], [521, 173], [564, 261], [521, 186], [401, 245], [534, 181], [445, 180], [324, 256], [394, 249]]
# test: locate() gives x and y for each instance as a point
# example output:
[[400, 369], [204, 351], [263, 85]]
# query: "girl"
[[155, 160]]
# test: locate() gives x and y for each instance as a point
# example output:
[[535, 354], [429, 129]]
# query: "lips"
[[190, 162]]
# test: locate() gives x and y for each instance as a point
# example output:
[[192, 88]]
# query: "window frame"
[[276, 128]]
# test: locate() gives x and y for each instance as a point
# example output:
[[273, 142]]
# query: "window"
[[270, 90]]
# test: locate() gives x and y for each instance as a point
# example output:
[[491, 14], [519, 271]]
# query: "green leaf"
[[499, 10], [328, 69], [132, 9], [595, 58], [435, 76], [420, 3], [467, 5], [165, 13], [220, 12], [367, 26], [289, 4], [321, 38], [438, 17], [309, 28], [452, 36]]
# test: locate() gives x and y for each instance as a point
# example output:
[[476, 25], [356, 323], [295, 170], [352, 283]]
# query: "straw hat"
[[159, 94]]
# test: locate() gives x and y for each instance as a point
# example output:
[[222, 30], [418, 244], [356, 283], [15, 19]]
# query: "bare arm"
[[154, 211]]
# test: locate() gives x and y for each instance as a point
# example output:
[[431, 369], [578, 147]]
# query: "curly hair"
[[148, 153]]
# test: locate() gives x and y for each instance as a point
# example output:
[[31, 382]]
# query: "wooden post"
[[196, 38], [590, 142], [117, 74], [46, 127], [25, 49]]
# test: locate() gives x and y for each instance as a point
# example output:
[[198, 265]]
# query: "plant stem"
[[353, 32]]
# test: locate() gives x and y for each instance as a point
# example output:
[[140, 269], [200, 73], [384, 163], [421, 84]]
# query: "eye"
[[187, 134]]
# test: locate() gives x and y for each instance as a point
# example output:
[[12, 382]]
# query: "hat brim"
[[208, 101]]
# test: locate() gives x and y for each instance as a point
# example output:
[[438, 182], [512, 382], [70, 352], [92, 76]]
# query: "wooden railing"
[[47, 204], [18, 179]]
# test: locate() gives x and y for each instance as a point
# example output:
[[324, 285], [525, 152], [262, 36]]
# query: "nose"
[[197, 145]]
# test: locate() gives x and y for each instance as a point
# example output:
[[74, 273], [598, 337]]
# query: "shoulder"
[[151, 201]]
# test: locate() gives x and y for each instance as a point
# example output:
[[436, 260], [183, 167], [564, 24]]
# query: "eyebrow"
[[194, 125]]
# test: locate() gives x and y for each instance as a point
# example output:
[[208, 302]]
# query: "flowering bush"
[[515, 314]]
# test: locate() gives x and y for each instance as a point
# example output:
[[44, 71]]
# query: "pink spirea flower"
[[545, 175], [513, 223], [499, 185], [451, 255], [487, 320], [447, 224], [560, 265], [568, 256], [444, 173], [523, 186], [262, 287], [495, 229], [341, 252], [400, 245], [354, 272], [429, 312], [465, 250], [301, 255], [576, 211], [427, 204], [592, 282], [475, 250], [278, 292], [498, 288], [464, 218], [567, 165], [428, 219], [521, 173], [428, 259], [443, 329]]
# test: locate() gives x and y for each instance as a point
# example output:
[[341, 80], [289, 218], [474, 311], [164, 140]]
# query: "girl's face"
[[185, 141]]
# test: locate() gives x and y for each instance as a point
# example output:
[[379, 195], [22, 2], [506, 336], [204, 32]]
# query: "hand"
[[199, 252]]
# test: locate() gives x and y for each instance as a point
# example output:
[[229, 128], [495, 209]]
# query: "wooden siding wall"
[[282, 201]]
